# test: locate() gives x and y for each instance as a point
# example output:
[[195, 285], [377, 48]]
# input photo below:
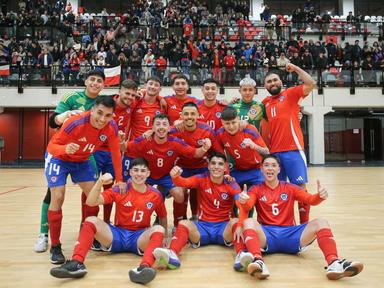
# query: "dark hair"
[[218, 155], [180, 76], [210, 80], [129, 84], [154, 78], [95, 73], [228, 113], [189, 104], [139, 162], [269, 156], [161, 116], [107, 101], [272, 72]]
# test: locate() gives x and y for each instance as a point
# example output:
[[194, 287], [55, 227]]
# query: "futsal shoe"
[[142, 274], [343, 268], [258, 269], [71, 269], [56, 255], [242, 260], [166, 258], [41, 244], [96, 246]]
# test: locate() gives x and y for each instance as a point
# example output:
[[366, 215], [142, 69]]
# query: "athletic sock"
[[155, 241], [107, 208], [84, 241], [54, 220], [44, 218], [179, 239], [327, 244], [304, 212], [251, 241], [179, 212]]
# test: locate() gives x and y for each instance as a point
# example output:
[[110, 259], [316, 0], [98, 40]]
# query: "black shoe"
[[71, 269], [142, 274], [96, 246], [56, 256]]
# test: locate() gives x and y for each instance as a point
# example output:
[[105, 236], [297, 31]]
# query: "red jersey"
[[174, 106], [244, 157], [134, 209], [284, 125], [161, 157], [275, 206], [215, 201], [142, 117], [211, 115], [79, 130], [193, 138], [122, 117], [229, 62]]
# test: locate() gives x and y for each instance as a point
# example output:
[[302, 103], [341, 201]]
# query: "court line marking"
[[13, 190]]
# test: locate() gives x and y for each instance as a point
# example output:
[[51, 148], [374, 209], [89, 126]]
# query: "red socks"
[[84, 241], [327, 244], [251, 241], [155, 241], [90, 211], [54, 222], [180, 239], [179, 211], [239, 245], [83, 199], [304, 212]]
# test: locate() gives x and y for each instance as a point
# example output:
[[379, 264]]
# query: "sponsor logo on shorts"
[[170, 153], [284, 196], [224, 196], [53, 179], [149, 205], [299, 178], [103, 137]]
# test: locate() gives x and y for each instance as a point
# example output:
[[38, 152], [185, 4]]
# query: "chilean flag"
[[112, 76], [4, 70]]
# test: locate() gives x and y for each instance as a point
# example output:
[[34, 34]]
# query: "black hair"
[[161, 116], [180, 76], [218, 155], [154, 78], [129, 84], [139, 162], [107, 101], [96, 73], [210, 80], [228, 113], [269, 156], [270, 72], [189, 104]]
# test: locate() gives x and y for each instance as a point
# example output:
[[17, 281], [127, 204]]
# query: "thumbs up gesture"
[[323, 193], [243, 196]]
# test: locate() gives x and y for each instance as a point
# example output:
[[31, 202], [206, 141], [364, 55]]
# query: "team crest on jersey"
[[53, 179], [281, 98], [200, 142], [284, 196], [103, 137], [149, 205], [224, 196], [218, 114], [128, 110], [170, 153], [157, 112], [242, 145]]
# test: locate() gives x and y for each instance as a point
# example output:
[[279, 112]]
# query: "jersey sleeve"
[[64, 104], [114, 147], [109, 196], [190, 182], [161, 211], [136, 146], [245, 208], [294, 94], [185, 149], [302, 195]]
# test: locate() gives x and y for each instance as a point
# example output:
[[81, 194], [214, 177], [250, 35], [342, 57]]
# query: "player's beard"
[[275, 91]]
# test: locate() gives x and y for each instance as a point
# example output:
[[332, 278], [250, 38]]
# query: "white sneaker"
[[166, 258], [242, 260], [259, 269], [41, 244], [343, 268]]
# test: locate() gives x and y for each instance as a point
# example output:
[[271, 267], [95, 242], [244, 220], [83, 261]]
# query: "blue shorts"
[[165, 182], [211, 233], [188, 172], [124, 240], [293, 165], [56, 171], [104, 162], [249, 177], [283, 239], [126, 163]]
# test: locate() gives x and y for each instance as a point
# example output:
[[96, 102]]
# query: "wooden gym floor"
[[354, 209]]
